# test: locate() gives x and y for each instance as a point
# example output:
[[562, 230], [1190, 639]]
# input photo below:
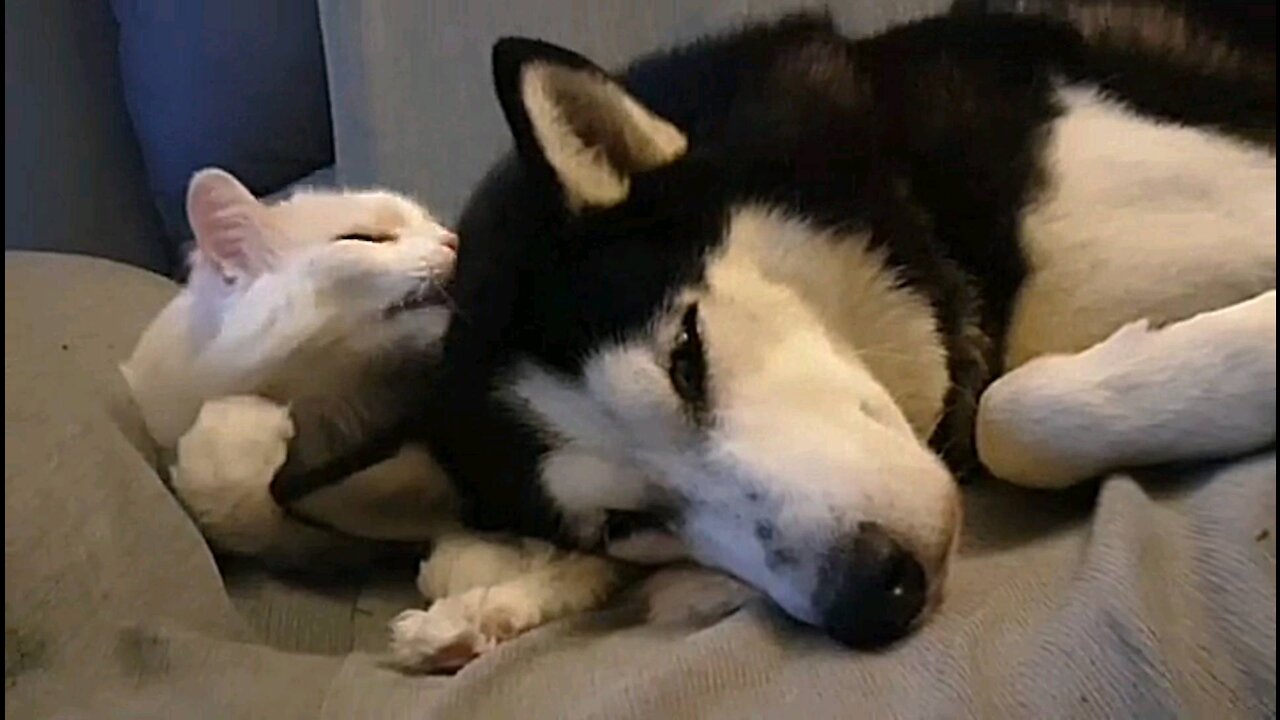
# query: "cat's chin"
[[427, 295]]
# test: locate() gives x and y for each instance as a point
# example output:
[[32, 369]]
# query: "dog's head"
[[672, 342]]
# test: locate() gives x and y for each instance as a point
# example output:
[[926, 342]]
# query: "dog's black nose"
[[872, 589]]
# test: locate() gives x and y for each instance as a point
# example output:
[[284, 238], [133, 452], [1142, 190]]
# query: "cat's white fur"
[[278, 304], [270, 281]]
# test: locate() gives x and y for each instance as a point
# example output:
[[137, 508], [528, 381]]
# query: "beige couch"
[[1150, 597], [1144, 598]]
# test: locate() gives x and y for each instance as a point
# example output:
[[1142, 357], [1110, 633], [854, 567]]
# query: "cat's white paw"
[[459, 628], [224, 467]]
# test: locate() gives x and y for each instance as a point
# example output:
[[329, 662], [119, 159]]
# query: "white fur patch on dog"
[[1140, 219]]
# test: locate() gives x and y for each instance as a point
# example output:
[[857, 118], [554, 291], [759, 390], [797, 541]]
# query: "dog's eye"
[[367, 237], [687, 365]]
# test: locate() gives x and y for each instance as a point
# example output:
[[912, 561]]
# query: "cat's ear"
[[571, 117], [229, 223]]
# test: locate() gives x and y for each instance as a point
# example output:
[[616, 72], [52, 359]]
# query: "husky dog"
[[308, 329], [751, 289]]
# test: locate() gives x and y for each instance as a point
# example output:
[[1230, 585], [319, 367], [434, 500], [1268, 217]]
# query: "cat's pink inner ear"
[[229, 223]]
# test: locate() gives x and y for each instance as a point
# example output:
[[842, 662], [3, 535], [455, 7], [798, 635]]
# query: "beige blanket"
[[1151, 597]]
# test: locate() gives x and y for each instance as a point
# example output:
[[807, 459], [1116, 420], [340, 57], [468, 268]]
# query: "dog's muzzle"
[[871, 589]]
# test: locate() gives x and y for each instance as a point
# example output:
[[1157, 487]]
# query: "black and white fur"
[[753, 287]]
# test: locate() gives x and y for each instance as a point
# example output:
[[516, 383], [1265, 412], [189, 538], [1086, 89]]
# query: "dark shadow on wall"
[[73, 174]]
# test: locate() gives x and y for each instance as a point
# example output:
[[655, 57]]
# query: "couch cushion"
[[240, 85], [1132, 599]]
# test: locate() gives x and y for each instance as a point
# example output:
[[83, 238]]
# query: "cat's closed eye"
[[367, 237]]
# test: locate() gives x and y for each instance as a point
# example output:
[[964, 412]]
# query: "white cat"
[[282, 378]]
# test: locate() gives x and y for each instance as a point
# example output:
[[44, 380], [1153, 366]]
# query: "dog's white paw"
[[459, 628], [462, 561], [224, 467]]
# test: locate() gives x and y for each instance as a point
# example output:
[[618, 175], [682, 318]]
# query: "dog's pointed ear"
[[571, 117], [229, 224]]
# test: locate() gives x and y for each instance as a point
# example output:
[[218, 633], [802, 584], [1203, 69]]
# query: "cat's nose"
[[449, 240]]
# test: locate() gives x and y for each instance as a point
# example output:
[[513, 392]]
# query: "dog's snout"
[[872, 589]]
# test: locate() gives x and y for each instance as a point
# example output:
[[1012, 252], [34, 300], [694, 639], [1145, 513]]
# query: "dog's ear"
[[571, 117], [229, 224]]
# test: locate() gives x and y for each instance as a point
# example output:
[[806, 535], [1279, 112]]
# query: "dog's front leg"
[[486, 591]]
